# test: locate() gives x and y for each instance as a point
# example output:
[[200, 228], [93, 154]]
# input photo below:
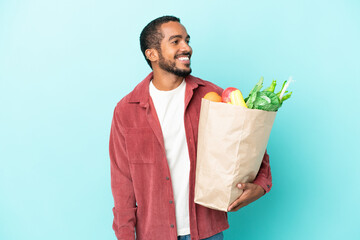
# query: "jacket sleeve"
[[121, 184], [263, 177]]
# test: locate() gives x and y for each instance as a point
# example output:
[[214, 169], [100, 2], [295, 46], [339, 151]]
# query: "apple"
[[225, 96], [233, 96]]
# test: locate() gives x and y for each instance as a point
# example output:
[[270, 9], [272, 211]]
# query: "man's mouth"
[[185, 59]]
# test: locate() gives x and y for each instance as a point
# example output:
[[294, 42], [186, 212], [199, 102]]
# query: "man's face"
[[175, 52]]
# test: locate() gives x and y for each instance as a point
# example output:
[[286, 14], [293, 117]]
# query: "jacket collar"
[[141, 92]]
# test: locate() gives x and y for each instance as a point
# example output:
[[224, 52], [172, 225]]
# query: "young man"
[[153, 143]]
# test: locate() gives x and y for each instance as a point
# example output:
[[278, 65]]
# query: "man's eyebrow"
[[178, 36]]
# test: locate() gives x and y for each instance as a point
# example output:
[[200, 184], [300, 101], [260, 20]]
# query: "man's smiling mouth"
[[184, 58]]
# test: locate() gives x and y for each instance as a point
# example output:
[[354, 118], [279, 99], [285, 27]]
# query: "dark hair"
[[151, 37]]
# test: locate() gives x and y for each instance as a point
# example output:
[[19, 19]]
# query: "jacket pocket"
[[140, 145]]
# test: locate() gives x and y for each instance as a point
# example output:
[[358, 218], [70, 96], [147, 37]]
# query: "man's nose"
[[186, 47]]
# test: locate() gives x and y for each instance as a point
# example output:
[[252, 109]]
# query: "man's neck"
[[166, 81]]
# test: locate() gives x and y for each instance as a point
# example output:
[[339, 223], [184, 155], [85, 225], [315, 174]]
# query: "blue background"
[[65, 64]]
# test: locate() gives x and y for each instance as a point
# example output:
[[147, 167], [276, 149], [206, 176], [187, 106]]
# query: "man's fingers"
[[250, 193], [234, 205], [242, 204], [244, 198]]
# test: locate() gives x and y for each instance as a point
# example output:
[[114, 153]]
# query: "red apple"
[[225, 96]]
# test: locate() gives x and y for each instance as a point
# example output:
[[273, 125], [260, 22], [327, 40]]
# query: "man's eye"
[[175, 42]]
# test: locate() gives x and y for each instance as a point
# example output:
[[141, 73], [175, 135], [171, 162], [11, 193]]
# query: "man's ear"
[[152, 54]]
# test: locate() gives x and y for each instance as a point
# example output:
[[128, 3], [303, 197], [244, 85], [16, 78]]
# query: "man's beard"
[[170, 67]]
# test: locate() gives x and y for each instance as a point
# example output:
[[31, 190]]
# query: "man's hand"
[[251, 193]]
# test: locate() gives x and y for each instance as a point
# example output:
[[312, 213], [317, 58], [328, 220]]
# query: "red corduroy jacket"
[[140, 176]]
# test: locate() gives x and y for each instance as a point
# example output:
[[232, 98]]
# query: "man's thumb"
[[242, 185]]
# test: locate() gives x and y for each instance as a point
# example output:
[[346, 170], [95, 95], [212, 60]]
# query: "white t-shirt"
[[170, 107]]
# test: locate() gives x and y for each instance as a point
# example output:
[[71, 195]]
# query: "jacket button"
[[268, 186], [170, 201], [172, 225], [167, 178]]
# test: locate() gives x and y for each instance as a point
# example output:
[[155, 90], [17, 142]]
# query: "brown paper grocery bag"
[[231, 145]]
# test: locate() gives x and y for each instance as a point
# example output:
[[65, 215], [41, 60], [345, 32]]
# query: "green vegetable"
[[272, 87], [253, 93], [278, 94], [267, 100], [287, 96]]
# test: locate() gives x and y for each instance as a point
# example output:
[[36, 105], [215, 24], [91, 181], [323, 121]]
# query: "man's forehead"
[[173, 28]]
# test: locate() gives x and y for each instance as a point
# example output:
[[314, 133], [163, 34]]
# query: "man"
[[153, 147]]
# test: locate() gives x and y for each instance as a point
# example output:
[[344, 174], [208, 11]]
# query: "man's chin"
[[182, 73]]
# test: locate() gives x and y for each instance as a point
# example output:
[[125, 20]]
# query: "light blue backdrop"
[[65, 64]]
